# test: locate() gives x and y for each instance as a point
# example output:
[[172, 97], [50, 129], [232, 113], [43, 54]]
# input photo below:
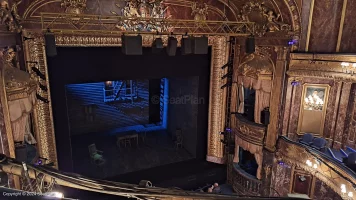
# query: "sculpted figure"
[[272, 24], [14, 77], [9, 16], [200, 13]]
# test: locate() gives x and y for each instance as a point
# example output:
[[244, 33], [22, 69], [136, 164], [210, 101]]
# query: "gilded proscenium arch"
[[35, 5], [34, 51]]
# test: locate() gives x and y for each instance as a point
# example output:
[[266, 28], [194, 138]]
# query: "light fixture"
[[315, 166], [309, 163], [350, 194], [348, 68], [343, 188]]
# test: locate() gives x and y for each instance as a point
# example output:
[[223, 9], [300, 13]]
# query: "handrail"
[[76, 181], [319, 154]]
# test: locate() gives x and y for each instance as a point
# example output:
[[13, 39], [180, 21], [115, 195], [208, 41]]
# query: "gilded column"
[[276, 97]]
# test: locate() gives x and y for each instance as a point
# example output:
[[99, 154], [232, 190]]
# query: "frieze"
[[326, 171], [248, 131]]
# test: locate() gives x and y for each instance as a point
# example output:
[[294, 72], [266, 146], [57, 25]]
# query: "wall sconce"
[[350, 194], [348, 68], [309, 163]]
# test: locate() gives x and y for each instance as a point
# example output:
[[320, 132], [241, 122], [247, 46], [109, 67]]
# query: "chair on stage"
[[179, 139], [96, 155]]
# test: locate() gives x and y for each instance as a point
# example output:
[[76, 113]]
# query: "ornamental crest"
[[74, 6], [145, 9], [266, 20]]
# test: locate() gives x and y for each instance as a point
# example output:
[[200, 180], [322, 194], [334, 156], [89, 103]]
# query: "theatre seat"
[[319, 144], [307, 139]]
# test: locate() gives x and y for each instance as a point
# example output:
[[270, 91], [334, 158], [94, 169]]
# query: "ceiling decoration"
[[200, 11], [9, 15], [265, 18], [74, 6], [143, 9]]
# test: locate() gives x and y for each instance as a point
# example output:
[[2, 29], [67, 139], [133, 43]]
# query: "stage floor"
[[157, 149]]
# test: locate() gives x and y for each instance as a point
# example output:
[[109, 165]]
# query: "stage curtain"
[[19, 115], [253, 149], [262, 89]]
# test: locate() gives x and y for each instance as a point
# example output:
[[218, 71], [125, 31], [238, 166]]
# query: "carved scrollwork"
[[143, 9], [295, 155], [265, 18], [9, 16], [200, 12], [74, 6], [250, 132], [18, 84]]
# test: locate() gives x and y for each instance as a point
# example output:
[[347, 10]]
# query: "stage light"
[[157, 45], [172, 46], [131, 45], [250, 45], [27, 38], [227, 75], [227, 65], [50, 44]]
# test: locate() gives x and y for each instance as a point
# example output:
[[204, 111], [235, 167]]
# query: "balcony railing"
[[250, 131], [244, 183], [328, 170]]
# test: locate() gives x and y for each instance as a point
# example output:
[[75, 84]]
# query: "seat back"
[[92, 149], [307, 138], [319, 142]]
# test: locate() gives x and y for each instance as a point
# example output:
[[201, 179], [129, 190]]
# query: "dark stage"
[[141, 111]]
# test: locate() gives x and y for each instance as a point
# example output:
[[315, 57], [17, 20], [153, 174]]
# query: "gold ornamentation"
[[265, 18], [43, 113], [74, 6], [18, 84], [318, 65], [329, 173], [253, 133], [118, 24], [256, 66], [143, 9], [9, 16], [200, 12], [268, 170]]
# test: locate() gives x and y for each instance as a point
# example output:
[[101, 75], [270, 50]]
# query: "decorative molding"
[[320, 65], [35, 51], [295, 155], [9, 16], [268, 20], [249, 131], [74, 6], [200, 11]]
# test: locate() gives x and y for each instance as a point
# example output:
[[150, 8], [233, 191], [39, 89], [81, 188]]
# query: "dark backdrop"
[[86, 64]]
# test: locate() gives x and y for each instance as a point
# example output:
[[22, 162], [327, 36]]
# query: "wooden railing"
[[249, 131], [244, 183]]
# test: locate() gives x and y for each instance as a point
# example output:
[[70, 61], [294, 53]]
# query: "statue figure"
[[74, 6], [14, 77], [10, 17], [200, 13], [272, 21]]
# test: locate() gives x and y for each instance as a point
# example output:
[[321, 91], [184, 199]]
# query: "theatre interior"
[[178, 99]]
